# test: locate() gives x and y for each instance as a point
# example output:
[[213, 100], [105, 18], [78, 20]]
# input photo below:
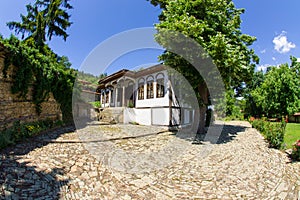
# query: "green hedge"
[[272, 131]]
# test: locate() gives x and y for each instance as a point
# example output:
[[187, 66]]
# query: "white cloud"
[[281, 43], [273, 58], [263, 67], [263, 51], [298, 59]]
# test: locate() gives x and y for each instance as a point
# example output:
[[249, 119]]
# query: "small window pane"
[[150, 93], [141, 91], [160, 89]]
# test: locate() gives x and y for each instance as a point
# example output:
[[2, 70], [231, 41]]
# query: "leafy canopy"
[[279, 94], [36, 65], [44, 19], [215, 25]]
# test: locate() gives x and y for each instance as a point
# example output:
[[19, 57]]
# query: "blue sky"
[[94, 21]]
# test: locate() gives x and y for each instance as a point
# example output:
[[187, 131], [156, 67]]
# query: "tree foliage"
[[279, 93], [44, 19], [215, 25], [36, 65], [43, 72], [251, 107], [81, 75]]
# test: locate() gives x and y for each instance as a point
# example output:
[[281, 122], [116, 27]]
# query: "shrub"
[[19, 131], [296, 150], [5, 139], [130, 105], [96, 104], [273, 132], [259, 124]]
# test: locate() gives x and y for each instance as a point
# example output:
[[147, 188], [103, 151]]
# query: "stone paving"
[[141, 162]]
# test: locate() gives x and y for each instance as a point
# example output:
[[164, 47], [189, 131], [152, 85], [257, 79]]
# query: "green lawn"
[[292, 133]]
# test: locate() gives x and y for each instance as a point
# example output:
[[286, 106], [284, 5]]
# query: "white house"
[[146, 97]]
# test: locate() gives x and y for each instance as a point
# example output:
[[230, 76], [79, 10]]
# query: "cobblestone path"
[[135, 162]]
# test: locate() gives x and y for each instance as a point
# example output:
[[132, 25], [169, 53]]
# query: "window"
[[141, 90], [150, 87], [160, 88], [150, 93], [160, 85]]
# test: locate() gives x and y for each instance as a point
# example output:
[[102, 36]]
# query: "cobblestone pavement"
[[88, 164]]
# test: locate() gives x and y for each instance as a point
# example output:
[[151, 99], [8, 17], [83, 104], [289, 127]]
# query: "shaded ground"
[[153, 166], [21, 179]]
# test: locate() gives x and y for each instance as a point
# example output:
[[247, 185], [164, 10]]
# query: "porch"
[[118, 93]]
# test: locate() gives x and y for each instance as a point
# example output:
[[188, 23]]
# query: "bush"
[[273, 132], [296, 150], [96, 104], [130, 105], [259, 124], [5, 138], [20, 131]]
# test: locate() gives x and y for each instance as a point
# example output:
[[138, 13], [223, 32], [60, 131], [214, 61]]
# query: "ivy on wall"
[[39, 69]]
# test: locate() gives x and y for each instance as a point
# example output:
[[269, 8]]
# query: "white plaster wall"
[[129, 115], [153, 102], [143, 116], [186, 116], [160, 116]]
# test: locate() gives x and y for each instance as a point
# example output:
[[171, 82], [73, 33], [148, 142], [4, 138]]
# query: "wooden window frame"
[[150, 89], [141, 91], [160, 88]]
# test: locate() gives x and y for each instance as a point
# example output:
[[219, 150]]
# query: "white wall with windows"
[[146, 99], [152, 90]]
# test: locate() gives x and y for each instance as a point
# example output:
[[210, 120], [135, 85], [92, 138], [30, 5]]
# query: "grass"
[[292, 134]]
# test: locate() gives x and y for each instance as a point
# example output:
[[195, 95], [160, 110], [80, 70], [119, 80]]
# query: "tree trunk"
[[203, 91]]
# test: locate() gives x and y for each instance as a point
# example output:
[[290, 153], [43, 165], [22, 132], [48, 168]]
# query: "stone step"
[[112, 115]]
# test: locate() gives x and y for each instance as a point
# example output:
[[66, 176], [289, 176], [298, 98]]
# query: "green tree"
[[215, 25], [252, 108], [44, 19], [37, 66], [295, 66], [279, 94]]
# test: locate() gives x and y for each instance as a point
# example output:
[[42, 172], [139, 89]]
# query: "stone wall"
[[13, 108]]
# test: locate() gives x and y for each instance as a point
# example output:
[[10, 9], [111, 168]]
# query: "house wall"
[[295, 119], [147, 116], [154, 102], [129, 115], [156, 111], [13, 108], [143, 116], [160, 116]]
